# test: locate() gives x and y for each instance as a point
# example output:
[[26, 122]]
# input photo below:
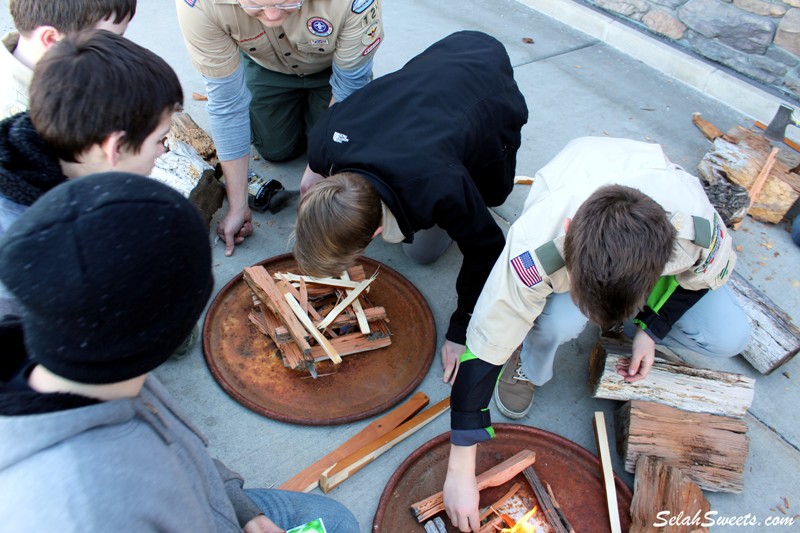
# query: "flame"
[[522, 525]]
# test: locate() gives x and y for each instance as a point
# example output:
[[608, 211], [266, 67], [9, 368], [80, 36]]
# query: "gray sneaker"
[[514, 391]]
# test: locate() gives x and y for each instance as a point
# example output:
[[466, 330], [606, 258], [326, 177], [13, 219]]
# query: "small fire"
[[522, 525]]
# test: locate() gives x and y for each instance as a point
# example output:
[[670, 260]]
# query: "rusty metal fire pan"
[[245, 364], [572, 472]]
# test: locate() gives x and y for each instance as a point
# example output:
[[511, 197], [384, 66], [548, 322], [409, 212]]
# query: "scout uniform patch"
[[371, 47], [526, 269], [371, 33], [319, 26], [716, 236], [360, 5]]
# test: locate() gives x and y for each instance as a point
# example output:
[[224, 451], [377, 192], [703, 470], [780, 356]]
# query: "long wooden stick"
[[495, 476], [308, 479], [607, 472], [361, 458], [330, 282]]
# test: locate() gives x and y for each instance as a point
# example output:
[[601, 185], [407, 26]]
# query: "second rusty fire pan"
[[245, 364], [572, 472]]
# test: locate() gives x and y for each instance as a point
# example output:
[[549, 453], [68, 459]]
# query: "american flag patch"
[[526, 269]]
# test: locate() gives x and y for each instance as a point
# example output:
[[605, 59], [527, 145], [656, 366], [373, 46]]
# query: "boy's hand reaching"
[[643, 357], [461, 496]]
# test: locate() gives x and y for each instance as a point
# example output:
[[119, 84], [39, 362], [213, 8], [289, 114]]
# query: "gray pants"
[[714, 327], [428, 245]]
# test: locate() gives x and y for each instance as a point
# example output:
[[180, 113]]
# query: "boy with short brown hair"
[[111, 111], [610, 231], [40, 24]]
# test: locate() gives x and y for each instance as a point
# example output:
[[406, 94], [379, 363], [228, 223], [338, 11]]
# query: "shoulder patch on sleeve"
[[526, 270], [550, 257], [702, 231]]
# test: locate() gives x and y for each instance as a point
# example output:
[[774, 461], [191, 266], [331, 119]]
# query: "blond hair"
[[336, 220]]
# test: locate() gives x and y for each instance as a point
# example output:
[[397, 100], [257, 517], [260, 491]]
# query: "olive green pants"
[[283, 109]]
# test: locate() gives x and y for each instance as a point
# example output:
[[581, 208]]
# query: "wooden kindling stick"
[[761, 179], [543, 497], [497, 475], [351, 464], [308, 479], [606, 471]]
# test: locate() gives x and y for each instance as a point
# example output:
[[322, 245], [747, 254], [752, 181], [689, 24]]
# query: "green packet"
[[315, 526]]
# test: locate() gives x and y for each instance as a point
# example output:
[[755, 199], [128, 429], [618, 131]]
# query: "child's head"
[[72, 16], [615, 249], [112, 272], [336, 220], [94, 88]]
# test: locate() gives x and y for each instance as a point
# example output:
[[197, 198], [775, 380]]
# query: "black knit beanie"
[[112, 271]]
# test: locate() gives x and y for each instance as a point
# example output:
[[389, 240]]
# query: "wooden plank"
[[262, 285], [606, 470], [351, 343], [495, 476], [659, 487], [692, 389], [352, 295], [710, 449], [306, 322], [548, 509], [308, 479], [351, 464], [774, 338]]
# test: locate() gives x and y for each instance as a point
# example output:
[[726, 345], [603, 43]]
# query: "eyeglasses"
[[294, 6]]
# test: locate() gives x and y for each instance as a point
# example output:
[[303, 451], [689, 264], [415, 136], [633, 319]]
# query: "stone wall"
[[757, 38]]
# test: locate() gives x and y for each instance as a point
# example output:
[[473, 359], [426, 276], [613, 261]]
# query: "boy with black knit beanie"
[[90, 440]]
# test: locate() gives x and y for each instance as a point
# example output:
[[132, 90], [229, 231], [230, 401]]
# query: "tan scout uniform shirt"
[[519, 284], [16, 79], [321, 33]]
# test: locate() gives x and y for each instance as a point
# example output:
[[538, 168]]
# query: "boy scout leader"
[[271, 67], [611, 231]]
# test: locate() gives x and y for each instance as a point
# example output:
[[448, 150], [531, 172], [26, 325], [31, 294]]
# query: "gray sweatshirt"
[[125, 465]]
